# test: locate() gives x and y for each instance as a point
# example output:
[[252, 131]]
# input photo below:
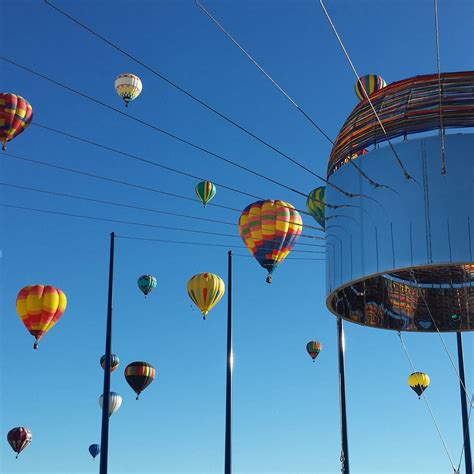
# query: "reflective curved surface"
[[402, 258]]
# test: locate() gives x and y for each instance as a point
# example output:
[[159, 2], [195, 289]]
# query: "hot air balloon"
[[139, 375], [115, 401], [114, 362], [419, 382], [315, 204], [15, 115], [370, 83], [205, 191], [40, 307], [19, 438], [128, 86], [314, 348], [94, 449], [206, 289], [147, 283], [270, 229]]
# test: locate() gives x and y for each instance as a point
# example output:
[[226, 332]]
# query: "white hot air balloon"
[[128, 86], [114, 403]]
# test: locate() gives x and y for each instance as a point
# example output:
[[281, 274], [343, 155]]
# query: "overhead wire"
[[425, 398], [130, 206], [280, 88], [399, 161], [199, 101], [438, 65]]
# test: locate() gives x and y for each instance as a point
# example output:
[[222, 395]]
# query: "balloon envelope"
[[128, 86], [139, 375], [15, 115], [40, 307], [114, 403], [270, 229], [206, 289], [418, 382], [316, 205], [314, 348], [19, 438], [205, 191], [370, 83], [94, 449], [146, 283], [114, 362]]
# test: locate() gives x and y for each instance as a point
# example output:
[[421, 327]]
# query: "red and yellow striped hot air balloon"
[[15, 115], [40, 307], [270, 229], [206, 289], [139, 375]]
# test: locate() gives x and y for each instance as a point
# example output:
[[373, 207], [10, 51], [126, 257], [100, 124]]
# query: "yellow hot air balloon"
[[419, 382], [206, 289]]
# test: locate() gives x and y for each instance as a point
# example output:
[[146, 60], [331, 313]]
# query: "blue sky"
[[286, 416]]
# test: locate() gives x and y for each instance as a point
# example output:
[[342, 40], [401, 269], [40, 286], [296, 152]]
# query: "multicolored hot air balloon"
[[314, 348], [40, 307], [94, 449], [418, 382], [316, 205], [19, 438], [270, 229], [147, 283], [15, 115], [139, 375], [206, 289], [205, 191], [114, 362], [370, 83], [115, 401], [128, 86]]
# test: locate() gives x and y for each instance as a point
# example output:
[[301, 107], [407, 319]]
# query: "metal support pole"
[[104, 439], [230, 362], [465, 418], [342, 399]]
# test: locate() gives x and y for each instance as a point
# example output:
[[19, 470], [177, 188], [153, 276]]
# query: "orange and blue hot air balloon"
[[270, 229], [114, 362], [314, 348], [40, 307], [370, 83], [15, 115], [139, 375], [205, 191]]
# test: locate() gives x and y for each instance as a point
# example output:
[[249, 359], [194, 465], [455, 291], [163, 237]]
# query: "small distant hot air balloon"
[[206, 289], [19, 438], [205, 191], [147, 283], [418, 382], [270, 229], [94, 449], [314, 348], [315, 203], [114, 362], [139, 375], [370, 83], [128, 86], [40, 307], [115, 401], [15, 115]]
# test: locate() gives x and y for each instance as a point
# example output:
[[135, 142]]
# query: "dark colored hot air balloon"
[[314, 348], [147, 283], [114, 362], [139, 375], [418, 382], [19, 438], [15, 115], [94, 449]]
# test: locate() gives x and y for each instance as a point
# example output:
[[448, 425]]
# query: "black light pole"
[[104, 439], [342, 399], [228, 388], [465, 417]]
